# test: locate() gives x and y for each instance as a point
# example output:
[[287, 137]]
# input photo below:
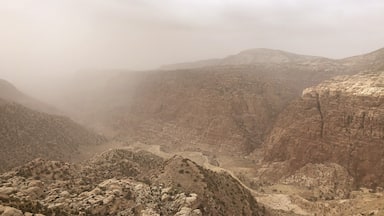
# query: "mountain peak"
[[263, 55], [263, 51], [247, 57]]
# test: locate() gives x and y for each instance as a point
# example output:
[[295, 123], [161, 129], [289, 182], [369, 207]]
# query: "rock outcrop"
[[339, 121], [26, 134], [121, 182], [326, 181]]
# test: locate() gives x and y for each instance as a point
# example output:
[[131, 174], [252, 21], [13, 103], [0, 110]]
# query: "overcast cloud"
[[41, 39]]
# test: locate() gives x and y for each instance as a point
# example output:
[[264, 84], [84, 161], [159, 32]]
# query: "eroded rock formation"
[[339, 121]]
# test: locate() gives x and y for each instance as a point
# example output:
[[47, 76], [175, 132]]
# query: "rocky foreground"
[[122, 182]]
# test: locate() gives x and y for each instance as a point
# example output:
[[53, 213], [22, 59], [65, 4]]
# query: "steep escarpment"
[[26, 134], [221, 110], [339, 121], [141, 184]]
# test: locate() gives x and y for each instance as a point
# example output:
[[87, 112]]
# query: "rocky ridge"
[[142, 184]]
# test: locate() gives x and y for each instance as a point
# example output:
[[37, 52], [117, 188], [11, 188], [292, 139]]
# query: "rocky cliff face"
[[121, 182], [26, 134], [339, 121], [214, 110]]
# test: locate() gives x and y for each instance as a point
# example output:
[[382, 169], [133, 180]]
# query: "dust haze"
[[198, 107], [44, 41]]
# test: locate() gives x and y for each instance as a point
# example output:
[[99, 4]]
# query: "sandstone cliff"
[[339, 121]]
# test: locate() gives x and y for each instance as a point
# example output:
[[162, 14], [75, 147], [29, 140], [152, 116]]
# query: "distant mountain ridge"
[[272, 56], [9, 92], [248, 57], [367, 62]]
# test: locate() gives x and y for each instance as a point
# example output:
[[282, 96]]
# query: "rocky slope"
[[26, 134], [9, 92], [368, 62], [340, 121], [121, 182]]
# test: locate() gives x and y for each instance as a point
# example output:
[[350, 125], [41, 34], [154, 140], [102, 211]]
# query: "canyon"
[[262, 132]]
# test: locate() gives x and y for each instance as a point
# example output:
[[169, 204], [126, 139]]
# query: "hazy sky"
[[55, 37]]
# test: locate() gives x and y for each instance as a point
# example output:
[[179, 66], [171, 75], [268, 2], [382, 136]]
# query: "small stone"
[[35, 183], [34, 192], [374, 212], [184, 211], [164, 197], [108, 199], [7, 190], [9, 211], [4, 196], [65, 194], [196, 212]]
